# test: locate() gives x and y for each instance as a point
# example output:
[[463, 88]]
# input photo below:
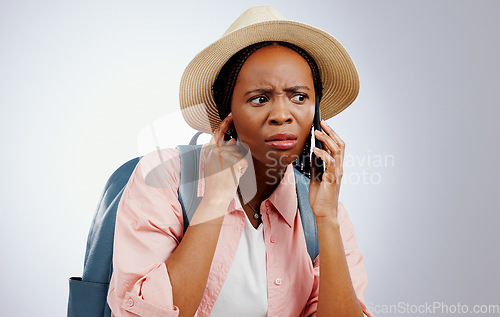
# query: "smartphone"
[[317, 165]]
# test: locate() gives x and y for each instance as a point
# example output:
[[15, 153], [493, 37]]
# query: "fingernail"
[[230, 114]]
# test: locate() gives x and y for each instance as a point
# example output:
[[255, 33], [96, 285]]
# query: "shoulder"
[[159, 157], [160, 168]]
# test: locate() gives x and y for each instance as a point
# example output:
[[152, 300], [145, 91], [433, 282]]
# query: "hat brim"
[[338, 73]]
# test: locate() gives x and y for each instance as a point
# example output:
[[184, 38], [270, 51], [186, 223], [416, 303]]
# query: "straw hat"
[[338, 73]]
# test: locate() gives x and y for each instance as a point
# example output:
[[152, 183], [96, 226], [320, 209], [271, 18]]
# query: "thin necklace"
[[256, 214]]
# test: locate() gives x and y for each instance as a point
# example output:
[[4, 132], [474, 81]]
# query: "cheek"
[[245, 128], [239, 123], [307, 118], [310, 112], [247, 122], [306, 125]]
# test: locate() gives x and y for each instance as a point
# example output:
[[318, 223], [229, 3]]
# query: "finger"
[[241, 166], [330, 145], [326, 158], [318, 135], [218, 151], [222, 153], [233, 146], [335, 136], [229, 147], [332, 148], [224, 126], [226, 153], [238, 169], [234, 154], [227, 160], [330, 174], [218, 134], [237, 163]]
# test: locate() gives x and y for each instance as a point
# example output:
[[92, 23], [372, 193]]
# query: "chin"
[[280, 158]]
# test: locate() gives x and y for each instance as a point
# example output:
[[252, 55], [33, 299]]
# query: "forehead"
[[275, 63]]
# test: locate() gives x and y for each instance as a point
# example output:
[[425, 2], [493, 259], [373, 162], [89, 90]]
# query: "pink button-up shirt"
[[149, 226]]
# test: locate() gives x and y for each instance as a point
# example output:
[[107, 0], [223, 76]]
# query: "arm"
[[157, 270], [336, 294], [349, 273], [148, 228], [189, 265], [187, 276], [337, 244], [336, 291]]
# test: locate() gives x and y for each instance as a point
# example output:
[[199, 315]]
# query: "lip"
[[282, 141], [282, 137]]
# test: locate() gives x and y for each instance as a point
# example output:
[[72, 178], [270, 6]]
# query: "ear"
[[231, 133]]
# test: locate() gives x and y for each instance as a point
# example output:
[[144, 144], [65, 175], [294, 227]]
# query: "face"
[[273, 105]]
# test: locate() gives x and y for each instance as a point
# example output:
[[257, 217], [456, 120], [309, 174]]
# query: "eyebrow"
[[289, 89]]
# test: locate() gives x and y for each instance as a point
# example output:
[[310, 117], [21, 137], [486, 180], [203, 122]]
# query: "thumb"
[[241, 167]]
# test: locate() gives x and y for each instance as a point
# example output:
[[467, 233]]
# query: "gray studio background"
[[85, 86]]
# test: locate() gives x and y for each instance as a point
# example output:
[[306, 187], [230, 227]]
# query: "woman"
[[244, 252]]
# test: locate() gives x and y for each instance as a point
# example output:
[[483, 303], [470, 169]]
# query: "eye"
[[299, 98], [259, 100]]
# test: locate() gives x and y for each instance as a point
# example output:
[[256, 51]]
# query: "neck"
[[266, 179]]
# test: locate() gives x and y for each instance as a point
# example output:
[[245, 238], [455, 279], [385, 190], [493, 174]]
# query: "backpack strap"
[[306, 214], [188, 188], [194, 139]]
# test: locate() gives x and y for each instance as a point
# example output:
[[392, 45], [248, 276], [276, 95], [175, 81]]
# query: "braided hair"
[[223, 88]]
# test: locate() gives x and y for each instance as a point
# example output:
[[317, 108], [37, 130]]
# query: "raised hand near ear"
[[224, 164], [324, 195]]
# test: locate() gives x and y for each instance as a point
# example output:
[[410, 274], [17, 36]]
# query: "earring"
[[230, 134]]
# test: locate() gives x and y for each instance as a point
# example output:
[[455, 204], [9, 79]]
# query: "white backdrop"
[[82, 83]]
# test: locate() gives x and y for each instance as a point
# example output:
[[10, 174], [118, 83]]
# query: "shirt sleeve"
[[149, 226], [355, 262]]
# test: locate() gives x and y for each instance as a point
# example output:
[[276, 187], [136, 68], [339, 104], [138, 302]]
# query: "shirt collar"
[[284, 197]]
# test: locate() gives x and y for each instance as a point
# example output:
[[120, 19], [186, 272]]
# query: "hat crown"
[[263, 23], [254, 15]]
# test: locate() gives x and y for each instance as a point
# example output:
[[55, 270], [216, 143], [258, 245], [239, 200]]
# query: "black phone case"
[[317, 165]]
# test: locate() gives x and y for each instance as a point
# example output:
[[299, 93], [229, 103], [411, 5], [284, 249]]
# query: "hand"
[[324, 196], [224, 164]]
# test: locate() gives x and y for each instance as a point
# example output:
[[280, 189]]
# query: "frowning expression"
[[273, 104]]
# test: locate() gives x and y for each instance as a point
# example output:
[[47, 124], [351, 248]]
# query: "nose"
[[279, 113]]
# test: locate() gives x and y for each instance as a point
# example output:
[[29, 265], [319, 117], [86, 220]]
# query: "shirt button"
[[273, 239], [130, 302], [278, 281]]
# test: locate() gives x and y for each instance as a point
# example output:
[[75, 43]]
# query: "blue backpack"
[[87, 294]]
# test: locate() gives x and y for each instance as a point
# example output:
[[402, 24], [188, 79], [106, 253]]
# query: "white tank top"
[[244, 292]]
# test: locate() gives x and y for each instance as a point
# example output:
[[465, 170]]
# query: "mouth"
[[282, 141]]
